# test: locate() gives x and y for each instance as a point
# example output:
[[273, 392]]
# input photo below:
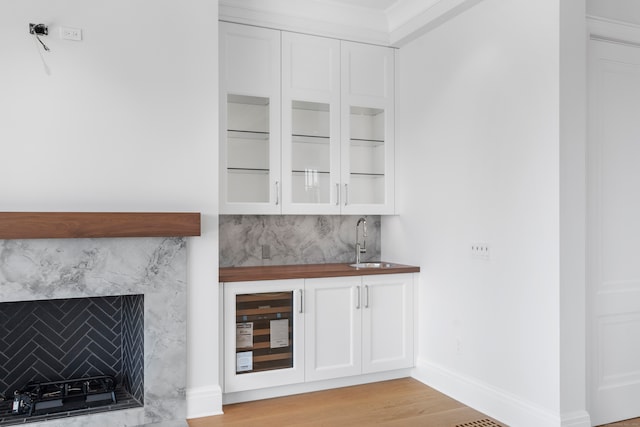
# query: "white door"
[[333, 322], [614, 231], [387, 322]]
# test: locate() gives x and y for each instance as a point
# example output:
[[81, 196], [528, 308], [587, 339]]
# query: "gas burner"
[[57, 396]]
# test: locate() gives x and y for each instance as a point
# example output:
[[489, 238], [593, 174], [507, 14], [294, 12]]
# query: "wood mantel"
[[61, 225]]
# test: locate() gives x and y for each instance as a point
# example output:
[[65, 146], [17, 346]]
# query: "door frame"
[[608, 31]]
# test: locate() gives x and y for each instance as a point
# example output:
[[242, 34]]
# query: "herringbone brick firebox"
[[55, 340]]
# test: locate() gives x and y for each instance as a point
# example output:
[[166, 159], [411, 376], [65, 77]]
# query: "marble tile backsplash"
[[252, 240]]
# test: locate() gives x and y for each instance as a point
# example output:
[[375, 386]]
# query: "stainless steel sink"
[[372, 265]]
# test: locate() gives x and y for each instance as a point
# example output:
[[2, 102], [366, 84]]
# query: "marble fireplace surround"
[[40, 267]]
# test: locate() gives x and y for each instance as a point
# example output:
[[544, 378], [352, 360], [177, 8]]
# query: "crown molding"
[[317, 17], [399, 24], [410, 19]]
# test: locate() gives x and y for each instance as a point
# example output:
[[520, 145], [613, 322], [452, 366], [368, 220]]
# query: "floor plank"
[[403, 402], [627, 423]]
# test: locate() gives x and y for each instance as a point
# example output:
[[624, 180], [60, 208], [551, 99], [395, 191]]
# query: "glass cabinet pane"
[[247, 148], [264, 332], [310, 152], [367, 156]]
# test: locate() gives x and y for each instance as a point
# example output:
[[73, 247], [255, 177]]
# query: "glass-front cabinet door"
[[310, 124], [249, 120], [367, 122]]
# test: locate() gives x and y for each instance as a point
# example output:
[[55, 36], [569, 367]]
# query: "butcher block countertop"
[[306, 271]]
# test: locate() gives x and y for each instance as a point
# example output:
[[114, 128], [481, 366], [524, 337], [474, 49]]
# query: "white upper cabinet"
[[306, 124], [310, 124], [367, 122], [249, 120]]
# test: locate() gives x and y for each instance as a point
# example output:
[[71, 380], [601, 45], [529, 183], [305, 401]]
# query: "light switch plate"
[[480, 251], [67, 33]]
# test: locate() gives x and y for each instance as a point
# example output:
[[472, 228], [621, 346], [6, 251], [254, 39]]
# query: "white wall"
[[478, 162], [125, 120], [573, 76]]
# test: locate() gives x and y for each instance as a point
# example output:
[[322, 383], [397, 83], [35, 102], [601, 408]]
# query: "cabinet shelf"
[[259, 345], [263, 311], [367, 142], [272, 357], [248, 170], [310, 139], [366, 174], [310, 170], [248, 134], [261, 297]]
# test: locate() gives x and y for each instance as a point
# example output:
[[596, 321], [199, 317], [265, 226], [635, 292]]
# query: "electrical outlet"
[[67, 33], [266, 252], [480, 251]]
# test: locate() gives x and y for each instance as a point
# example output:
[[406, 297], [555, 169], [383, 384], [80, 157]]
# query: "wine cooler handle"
[[301, 300]]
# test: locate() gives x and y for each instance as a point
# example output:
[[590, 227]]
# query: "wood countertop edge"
[[305, 271]]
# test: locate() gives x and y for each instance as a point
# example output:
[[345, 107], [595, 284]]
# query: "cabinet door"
[[387, 324], [263, 334], [310, 124], [333, 327], [249, 120], [367, 123]]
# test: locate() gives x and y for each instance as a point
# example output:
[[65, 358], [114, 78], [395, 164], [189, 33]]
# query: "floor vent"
[[480, 423]]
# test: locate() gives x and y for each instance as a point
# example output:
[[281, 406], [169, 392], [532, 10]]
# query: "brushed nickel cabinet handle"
[[366, 296], [346, 194]]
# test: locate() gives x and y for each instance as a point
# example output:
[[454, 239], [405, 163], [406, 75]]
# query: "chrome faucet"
[[361, 249]]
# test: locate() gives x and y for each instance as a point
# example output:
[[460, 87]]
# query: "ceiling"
[[371, 4]]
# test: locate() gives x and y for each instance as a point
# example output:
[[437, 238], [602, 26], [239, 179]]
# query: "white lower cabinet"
[[387, 322], [358, 325], [333, 310], [335, 327]]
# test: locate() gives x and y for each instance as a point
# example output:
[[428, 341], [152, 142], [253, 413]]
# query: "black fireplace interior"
[[67, 353]]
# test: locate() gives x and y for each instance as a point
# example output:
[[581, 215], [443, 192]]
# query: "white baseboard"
[[291, 389], [204, 402], [496, 403], [576, 419]]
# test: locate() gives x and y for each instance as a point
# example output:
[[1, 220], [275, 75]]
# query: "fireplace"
[[42, 281], [66, 355]]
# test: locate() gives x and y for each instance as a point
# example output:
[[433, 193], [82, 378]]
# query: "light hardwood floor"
[[404, 402], [628, 423]]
